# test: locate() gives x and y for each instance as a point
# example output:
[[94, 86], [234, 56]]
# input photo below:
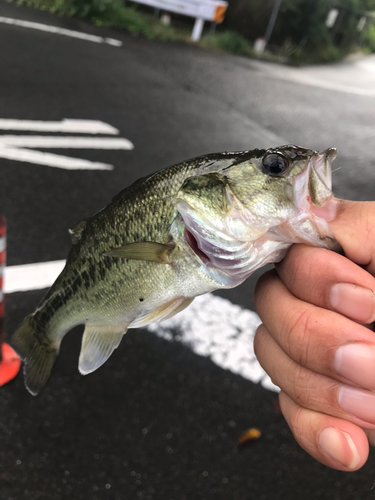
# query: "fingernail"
[[356, 362], [339, 445], [353, 301], [357, 402]]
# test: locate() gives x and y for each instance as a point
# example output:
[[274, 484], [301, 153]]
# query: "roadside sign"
[[202, 10]]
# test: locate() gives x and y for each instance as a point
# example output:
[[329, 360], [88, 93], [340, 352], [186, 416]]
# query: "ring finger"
[[312, 390]]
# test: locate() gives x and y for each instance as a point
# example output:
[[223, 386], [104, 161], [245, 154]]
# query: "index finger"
[[354, 228], [330, 281]]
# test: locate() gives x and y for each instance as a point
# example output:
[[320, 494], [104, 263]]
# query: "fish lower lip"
[[193, 244], [327, 211]]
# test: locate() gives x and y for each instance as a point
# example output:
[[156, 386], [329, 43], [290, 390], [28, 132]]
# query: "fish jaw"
[[314, 204], [230, 256]]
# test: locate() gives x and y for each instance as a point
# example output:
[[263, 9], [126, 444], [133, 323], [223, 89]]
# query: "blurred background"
[[295, 31], [94, 95]]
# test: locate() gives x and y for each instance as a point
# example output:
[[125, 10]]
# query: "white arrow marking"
[[211, 326], [66, 125], [35, 141], [60, 31], [12, 146], [51, 160]]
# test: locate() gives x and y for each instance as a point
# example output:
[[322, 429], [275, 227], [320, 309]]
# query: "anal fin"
[[98, 343]]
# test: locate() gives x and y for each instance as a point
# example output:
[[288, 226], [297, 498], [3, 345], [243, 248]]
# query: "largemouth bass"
[[198, 226]]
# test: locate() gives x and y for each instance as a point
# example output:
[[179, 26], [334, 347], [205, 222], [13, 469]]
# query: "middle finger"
[[320, 340]]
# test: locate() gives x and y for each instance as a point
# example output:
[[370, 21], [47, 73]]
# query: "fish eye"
[[275, 164]]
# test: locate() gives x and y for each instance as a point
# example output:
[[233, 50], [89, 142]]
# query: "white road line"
[[211, 326], [312, 82], [67, 125], [31, 276], [338, 78], [12, 147], [60, 31], [51, 160], [66, 142]]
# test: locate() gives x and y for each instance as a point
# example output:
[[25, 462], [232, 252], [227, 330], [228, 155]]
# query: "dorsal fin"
[[76, 230]]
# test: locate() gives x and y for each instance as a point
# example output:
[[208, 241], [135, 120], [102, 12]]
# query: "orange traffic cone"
[[10, 362]]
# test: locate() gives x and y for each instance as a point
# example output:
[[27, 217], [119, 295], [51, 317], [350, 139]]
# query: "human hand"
[[316, 341]]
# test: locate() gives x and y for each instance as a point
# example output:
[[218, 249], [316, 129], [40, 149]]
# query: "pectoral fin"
[[179, 307], [98, 343], [146, 250], [165, 311]]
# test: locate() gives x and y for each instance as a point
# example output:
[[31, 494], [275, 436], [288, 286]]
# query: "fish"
[[201, 225]]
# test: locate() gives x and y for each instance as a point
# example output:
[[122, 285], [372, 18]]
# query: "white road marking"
[[336, 87], [224, 332], [66, 142], [31, 276], [356, 78], [51, 160], [60, 31], [211, 326], [66, 125], [13, 147]]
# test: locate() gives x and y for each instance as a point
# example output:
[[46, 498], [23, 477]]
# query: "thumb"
[[354, 229]]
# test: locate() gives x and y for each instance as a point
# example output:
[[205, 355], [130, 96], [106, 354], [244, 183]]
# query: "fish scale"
[[192, 228]]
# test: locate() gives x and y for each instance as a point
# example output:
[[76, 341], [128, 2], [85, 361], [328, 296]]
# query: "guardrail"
[[202, 10]]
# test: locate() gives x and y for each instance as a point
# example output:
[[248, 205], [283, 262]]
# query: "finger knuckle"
[[262, 287], [298, 328], [313, 393], [297, 421], [300, 389], [259, 341]]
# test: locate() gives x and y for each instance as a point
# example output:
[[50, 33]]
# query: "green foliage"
[[304, 23], [92, 8], [59, 6], [107, 13], [228, 41], [134, 21], [249, 18], [301, 26], [370, 39]]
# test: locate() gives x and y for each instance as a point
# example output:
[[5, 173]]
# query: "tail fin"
[[36, 351]]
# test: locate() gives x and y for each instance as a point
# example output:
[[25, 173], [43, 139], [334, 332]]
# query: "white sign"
[[361, 23], [209, 10], [202, 10], [22, 147], [331, 18]]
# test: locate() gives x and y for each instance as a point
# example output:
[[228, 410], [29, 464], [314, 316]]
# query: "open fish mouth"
[[313, 187], [315, 203], [311, 208]]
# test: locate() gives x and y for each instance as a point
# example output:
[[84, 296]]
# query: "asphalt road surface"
[[157, 421]]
